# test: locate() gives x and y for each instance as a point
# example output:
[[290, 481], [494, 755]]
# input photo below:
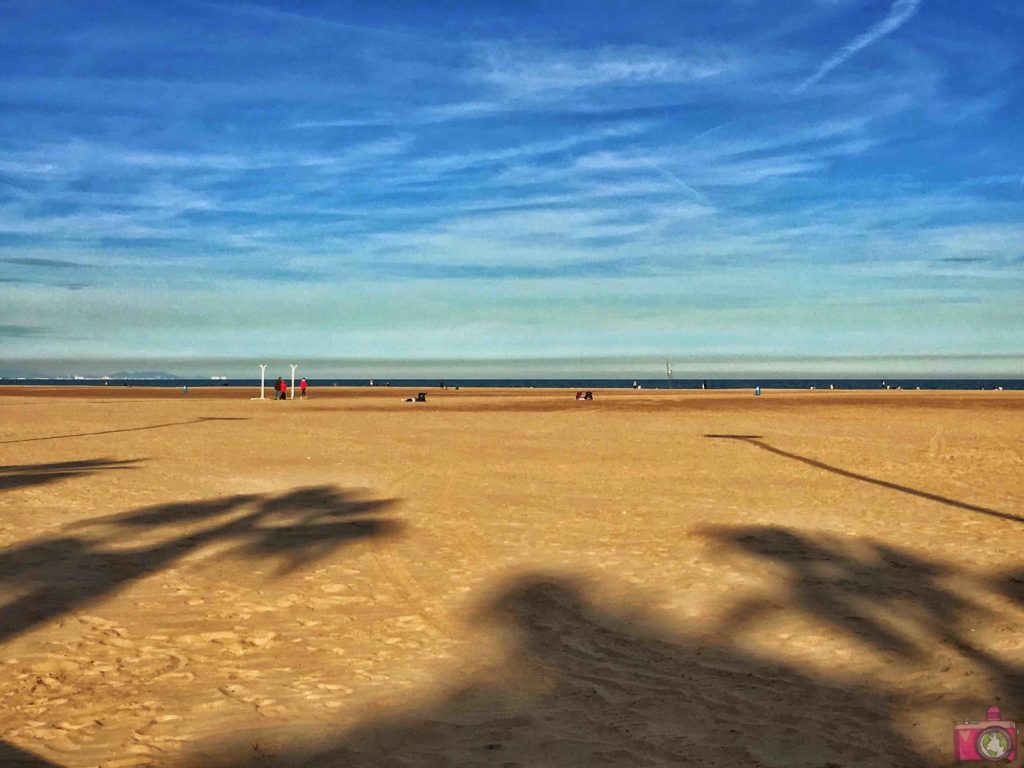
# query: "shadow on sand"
[[12, 757], [587, 685], [53, 576], [758, 442], [879, 594], [200, 420], [26, 475], [1011, 585]]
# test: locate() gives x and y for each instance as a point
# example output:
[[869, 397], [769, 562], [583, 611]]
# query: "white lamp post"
[[263, 378], [293, 381]]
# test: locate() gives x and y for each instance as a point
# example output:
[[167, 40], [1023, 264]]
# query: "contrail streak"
[[899, 15], [678, 181]]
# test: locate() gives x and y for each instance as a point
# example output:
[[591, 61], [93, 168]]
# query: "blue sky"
[[741, 181]]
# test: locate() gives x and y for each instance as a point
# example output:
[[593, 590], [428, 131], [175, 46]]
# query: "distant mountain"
[[143, 375]]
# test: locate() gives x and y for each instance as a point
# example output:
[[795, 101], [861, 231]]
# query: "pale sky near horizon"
[[744, 179]]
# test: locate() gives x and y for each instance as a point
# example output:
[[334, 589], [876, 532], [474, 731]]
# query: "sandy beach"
[[506, 577]]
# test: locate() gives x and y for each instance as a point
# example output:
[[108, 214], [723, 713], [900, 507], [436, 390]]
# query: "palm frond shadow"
[[97, 557], [27, 475], [585, 684], [876, 593], [12, 757]]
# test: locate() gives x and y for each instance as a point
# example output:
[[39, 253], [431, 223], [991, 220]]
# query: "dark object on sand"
[[421, 397]]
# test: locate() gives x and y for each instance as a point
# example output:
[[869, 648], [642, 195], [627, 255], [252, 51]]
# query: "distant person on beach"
[[279, 388], [302, 387], [284, 390]]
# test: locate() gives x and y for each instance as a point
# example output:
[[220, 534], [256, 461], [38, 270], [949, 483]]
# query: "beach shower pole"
[[293, 381], [263, 378]]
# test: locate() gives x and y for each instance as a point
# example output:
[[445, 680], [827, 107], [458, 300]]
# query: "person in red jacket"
[[302, 387]]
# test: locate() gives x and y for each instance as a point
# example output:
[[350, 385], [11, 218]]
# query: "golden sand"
[[506, 577]]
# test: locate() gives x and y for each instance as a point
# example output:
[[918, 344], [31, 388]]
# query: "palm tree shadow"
[[12, 757], [856, 592], [27, 475], [97, 557], [584, 685], [758, 442], [1010, 585], [875, 593]]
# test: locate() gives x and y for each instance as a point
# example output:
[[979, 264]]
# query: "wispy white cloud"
[[517, 79], [1016, 179], [529, 73], [308, 20], [899, 14], [77, 156], [725, 164], [451, 162], [437, 113]]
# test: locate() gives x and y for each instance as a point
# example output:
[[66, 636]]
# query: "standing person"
[[277, 388], [284, 390], [302, 387]]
